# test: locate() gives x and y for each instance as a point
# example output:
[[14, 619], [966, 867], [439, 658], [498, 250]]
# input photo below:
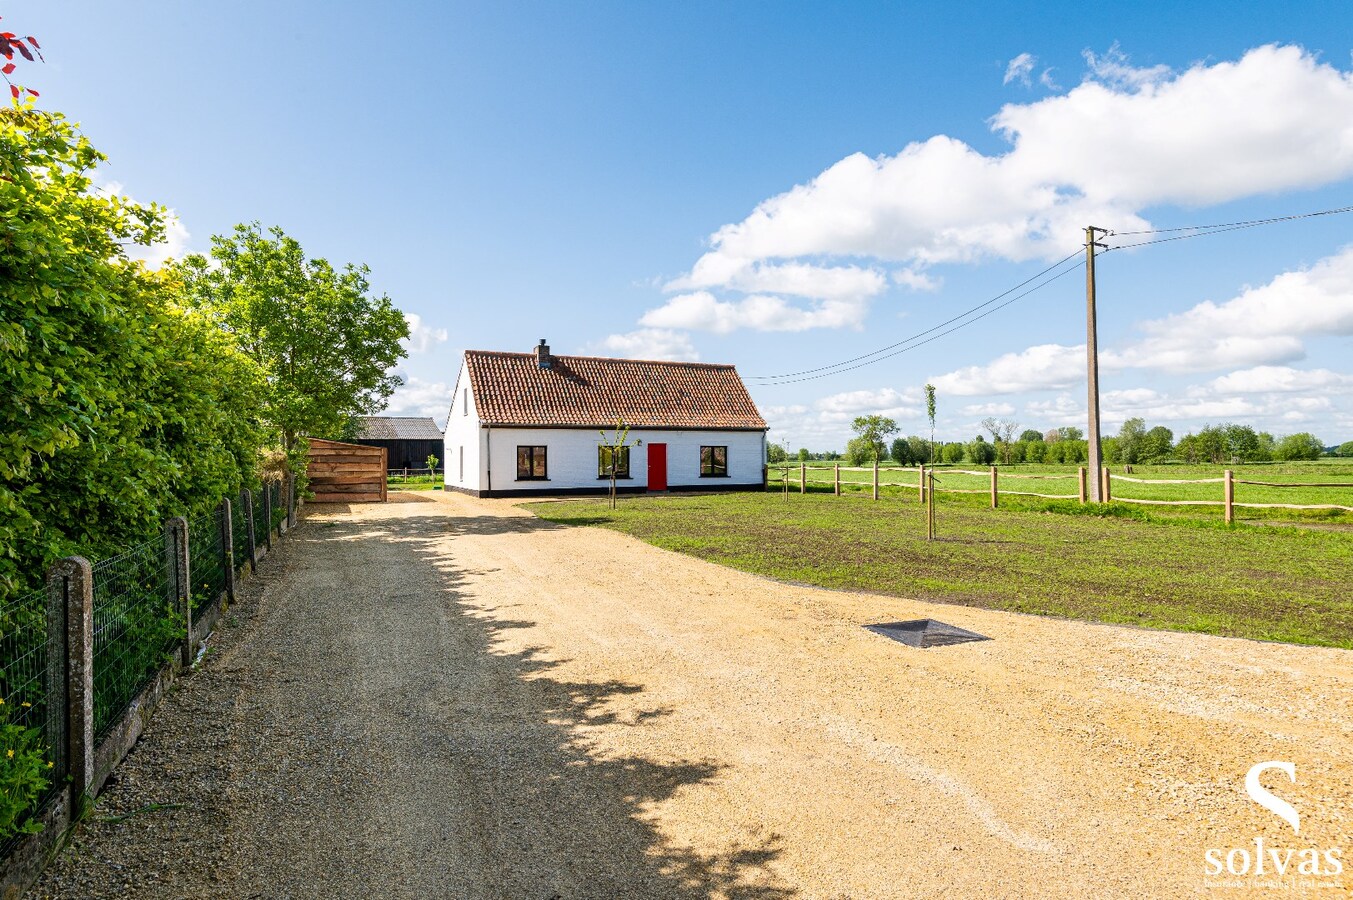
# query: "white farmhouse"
[[526, 424]]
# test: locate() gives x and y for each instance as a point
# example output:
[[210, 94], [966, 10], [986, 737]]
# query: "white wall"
[[462, 441], [572, 457]]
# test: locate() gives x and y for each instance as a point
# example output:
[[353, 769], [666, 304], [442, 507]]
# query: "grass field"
[[1065, 483], [414, 482], [1125, 565]]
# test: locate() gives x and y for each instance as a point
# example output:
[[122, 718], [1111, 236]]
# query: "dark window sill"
[[725, 475], [617, 478], [532, 478]]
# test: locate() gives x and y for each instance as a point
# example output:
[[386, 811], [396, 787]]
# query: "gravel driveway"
[[446, 697]]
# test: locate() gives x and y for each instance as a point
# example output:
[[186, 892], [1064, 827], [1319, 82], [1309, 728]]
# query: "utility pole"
[[1096, 460]]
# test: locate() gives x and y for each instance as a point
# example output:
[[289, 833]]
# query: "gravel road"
[[447, 697]]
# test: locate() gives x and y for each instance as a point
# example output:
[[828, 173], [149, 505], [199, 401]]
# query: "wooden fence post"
[[248, 496], [227, 522], [994, 489], [803, 478], [176, 549], [70, 583], [836, 488], [1229, 495], [1105, 491], [1083, 485], [876, 479]]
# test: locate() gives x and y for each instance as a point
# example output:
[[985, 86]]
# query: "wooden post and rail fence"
[[927, 481]]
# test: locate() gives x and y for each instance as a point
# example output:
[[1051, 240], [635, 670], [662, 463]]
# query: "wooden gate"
[[346, 473]]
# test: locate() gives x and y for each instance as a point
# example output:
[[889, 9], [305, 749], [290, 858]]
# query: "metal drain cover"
[[926, 633]]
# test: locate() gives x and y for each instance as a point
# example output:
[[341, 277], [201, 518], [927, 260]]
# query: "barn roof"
[[397, 428], [589, 391]]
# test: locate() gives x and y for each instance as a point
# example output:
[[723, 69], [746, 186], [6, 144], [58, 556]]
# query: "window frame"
[[533, 450], [622, 474], [712, 469]]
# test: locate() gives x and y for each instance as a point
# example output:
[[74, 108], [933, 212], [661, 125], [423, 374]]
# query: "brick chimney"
[[543, 358]]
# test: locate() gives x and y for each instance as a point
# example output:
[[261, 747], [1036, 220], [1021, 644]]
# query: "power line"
[[913, 346], [921, 334], [1232, 226]]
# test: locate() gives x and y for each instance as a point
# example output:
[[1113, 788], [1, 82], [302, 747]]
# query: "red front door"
[[657, 467]]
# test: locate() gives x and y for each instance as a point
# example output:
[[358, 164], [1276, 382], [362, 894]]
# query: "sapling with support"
[[615, 451]]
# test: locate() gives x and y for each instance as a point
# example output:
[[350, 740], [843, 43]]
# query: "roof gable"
[[589, 391]]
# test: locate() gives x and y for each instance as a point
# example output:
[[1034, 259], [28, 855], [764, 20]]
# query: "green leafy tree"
[[1029, 434], [874, 430], [1070, 433], [120, 407], [326, 345], [900, 451], [1131, 441], [804, 455], [615, 448], [859, 450], [775, 453], [432, 463], [980, 452], [1345, 449], [952, 453], [1302, 445], [1157, 443]]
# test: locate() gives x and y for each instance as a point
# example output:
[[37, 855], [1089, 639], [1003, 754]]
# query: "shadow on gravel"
[[548, 816]]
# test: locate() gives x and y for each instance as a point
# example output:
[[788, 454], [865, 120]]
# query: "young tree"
[[874, 430], [930, 414], [327, 346], [615, 452], [804, 455]]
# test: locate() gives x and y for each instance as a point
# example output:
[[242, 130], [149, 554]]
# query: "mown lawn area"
[[1270, 582]]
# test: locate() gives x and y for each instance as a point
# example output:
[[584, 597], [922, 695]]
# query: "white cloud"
[[988, 409], [648, 343], [417, 397], [421, 336], [1019, 69], [1123, 140], [884, 401], [1280, 379], [703, 311], [1262, 325], [1042, 367], [916, 280]]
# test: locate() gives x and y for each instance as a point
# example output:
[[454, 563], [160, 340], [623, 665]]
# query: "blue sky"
[[778, 186]]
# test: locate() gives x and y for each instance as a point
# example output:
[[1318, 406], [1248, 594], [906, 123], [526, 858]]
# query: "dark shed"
[[408, 440]]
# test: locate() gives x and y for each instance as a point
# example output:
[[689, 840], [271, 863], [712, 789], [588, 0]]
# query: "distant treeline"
[[1134, 443]]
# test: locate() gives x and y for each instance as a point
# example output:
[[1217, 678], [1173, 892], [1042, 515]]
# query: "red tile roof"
[[589, 391]]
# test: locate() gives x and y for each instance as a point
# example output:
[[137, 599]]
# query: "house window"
[[713, 462], [461, 457], [465, 401], [622, 457], [531, 464]]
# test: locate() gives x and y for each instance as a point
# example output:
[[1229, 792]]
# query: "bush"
[[23, 777]]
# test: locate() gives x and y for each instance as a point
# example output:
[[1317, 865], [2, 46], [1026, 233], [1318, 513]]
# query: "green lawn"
[[414, 483], [1273, 583]]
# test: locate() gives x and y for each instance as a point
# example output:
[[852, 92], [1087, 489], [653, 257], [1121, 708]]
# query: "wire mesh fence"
[[279, 506], [134, 626], [32, 664], [239, 521], [206, 549], [260, 515]]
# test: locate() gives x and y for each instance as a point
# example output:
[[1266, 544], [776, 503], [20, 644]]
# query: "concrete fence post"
[[267, 514], [994, 491], [176, 547], [1083, 485], [1229, 496], [248, 496], [227, 521], [71, 585], [291, 501]]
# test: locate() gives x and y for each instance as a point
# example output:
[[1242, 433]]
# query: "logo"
[[1260, 865]]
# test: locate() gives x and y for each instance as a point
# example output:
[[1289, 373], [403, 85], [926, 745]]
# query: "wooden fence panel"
[[346, 473]]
